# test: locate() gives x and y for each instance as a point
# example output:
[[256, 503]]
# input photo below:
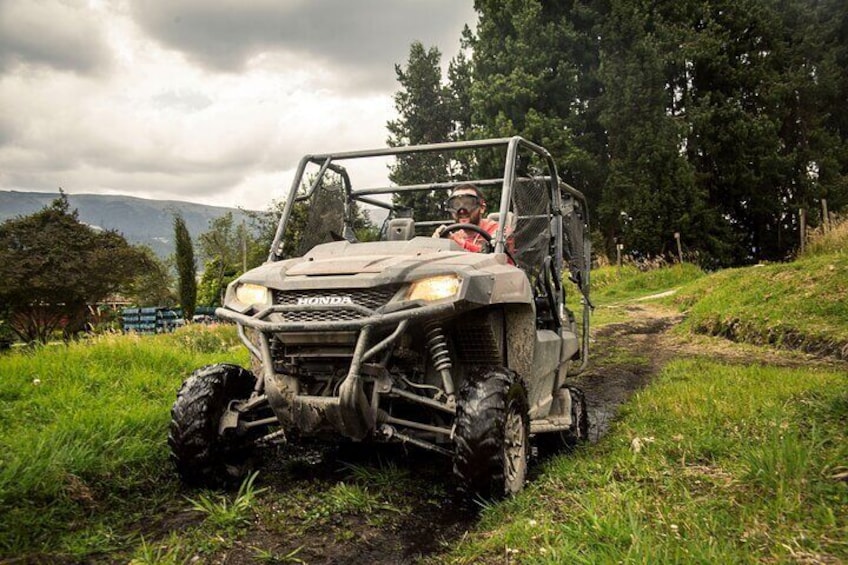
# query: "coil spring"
[[438, 345]]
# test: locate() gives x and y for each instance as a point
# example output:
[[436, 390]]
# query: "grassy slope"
[[803, 304], [86, 423], [740, 467]]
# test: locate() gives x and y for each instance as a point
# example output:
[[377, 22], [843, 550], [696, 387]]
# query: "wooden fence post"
[[825, 217], [679, 248], [802, 219]]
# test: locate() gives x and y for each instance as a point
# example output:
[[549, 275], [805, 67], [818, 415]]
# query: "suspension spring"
[[438, 346]]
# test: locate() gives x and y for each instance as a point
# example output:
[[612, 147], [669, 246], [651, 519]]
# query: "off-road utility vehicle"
[[406, 337]]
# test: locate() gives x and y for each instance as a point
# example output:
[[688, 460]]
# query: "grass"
[[799, 305], [613, 288], [737, 465], [225, 514], [614, 284], [826, 240], [82, 431]]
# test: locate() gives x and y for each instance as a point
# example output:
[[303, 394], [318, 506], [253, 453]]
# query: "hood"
[[371, 263]]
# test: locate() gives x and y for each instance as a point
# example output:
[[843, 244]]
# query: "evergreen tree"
[[535, 75], [424, 105], [650, 192], [186, 267], [718, 120]]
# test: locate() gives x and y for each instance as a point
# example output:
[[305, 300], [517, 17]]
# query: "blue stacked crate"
[[147, 320], [130, 319], [167, 320], [139, 320]]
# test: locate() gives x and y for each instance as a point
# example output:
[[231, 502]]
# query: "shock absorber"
[[437, 343]]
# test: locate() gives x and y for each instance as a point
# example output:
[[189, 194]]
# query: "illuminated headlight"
[[434, 288], [250, 294]]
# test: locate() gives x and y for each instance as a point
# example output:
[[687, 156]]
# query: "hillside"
[[140, 220]]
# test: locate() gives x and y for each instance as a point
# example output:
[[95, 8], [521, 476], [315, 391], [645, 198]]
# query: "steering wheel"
[[487, 248]]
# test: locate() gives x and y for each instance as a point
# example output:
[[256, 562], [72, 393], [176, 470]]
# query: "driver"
[[467, 206]]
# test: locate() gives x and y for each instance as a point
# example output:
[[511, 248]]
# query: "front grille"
[[371, 298]]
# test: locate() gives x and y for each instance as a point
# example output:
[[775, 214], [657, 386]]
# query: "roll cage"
[[567, 246]]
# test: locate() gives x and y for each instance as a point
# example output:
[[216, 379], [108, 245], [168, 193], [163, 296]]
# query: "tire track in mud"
[[624, 359]]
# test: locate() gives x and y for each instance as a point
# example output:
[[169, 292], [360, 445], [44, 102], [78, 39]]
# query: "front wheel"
[[200, 453], [491, 437]]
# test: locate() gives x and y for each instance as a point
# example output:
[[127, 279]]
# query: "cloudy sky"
[[205, 101]]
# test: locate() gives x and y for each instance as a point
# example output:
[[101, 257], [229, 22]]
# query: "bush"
[[7, 337]]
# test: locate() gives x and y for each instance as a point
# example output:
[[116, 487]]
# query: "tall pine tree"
[[186, 267]]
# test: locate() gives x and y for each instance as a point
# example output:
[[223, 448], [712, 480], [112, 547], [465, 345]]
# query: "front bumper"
[[350, 413]]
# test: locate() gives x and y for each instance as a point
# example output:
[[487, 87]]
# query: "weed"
[[224, 514], [828, 239], [345, 499], [385, 475], [207, 339], [161, 554], [272, 557]]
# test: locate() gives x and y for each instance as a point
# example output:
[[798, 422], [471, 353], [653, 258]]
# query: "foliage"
[[186, 267], [429, 112], [222, 513], [716, 120], [52, 267], [224, 250], [535, 68], [152, 287], [213, 282]]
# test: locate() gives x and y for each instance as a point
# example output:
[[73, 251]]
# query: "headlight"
[[434, 288], [250, 294]]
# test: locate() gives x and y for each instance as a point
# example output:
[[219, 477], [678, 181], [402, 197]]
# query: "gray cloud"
[[208, 101], [54, 34], [362, 40]]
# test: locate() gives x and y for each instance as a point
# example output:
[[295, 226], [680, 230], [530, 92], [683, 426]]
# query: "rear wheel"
[[200, 453], [491, 437]]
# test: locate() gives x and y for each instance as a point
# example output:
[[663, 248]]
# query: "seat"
[[510, 220], [400, 229]]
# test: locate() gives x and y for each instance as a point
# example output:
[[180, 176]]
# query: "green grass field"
[[82, 431]]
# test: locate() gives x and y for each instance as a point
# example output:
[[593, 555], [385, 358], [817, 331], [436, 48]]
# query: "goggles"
[[469, 202]]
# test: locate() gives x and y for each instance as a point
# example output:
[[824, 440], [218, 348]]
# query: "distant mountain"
[[140, 221]]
